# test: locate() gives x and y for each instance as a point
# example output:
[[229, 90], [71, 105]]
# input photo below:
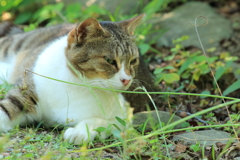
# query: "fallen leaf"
[[180, 147]]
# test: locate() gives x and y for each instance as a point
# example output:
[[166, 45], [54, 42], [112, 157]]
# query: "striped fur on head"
[[104, 46], [26, 47]]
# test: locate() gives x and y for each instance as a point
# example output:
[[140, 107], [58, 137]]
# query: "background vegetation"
[[182, 71]]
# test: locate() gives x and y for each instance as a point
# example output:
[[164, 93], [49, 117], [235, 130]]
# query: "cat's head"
[[105, 52]]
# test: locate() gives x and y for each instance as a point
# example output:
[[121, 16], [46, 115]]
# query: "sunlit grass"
[[44, 143]]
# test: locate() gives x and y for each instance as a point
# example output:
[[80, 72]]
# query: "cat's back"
[[22, 49], [11, 45]]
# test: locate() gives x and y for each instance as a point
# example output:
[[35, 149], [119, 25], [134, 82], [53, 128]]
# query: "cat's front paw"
[[78, 136]]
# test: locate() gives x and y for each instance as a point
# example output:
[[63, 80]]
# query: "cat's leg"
[[15, 109], [84, 130]]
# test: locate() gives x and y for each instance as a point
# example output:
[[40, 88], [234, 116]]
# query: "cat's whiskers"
[[92, 53], [143, 83]]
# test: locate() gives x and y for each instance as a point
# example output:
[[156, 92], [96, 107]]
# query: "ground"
[[37, 142]]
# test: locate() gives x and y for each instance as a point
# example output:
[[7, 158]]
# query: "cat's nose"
[[125, 81]]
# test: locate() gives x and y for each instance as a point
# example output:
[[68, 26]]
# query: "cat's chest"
[[64, 104], [60, 102]]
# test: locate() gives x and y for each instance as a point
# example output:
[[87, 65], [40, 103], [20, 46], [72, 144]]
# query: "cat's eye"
[[133, 61], [110, 61]]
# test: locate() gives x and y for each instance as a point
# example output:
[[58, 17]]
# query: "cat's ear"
[[85, 30], [130, 24]]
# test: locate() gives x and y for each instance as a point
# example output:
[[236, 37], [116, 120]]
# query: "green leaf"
[[73, 8], [169, 67], [159, 77], [205, 92], [204, 69], [155, 50], [121, 121], [152, 141], [100, 129], [158, 71], [196, 74], [117, 127], [47, 12], [185, 125], [184, 66], [192, 60], [185, 75], [199, 58], [179, 40], [232, 87], [143, 48], [29, 155], [6, 5], [23, 17], [195, 147], [152, 7], [71, 11], [212, 59], [93, 9], [31, 27], [169, 58], [221, 70], [170, 77]]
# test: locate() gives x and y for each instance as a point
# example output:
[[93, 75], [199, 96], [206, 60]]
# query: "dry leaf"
[[180, 147]]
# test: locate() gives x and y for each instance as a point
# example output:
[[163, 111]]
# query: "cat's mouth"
[[115, 86]]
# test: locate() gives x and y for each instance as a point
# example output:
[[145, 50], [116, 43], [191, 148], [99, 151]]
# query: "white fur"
[[5, 70], [83, 109], [6, 124], [72, 105]]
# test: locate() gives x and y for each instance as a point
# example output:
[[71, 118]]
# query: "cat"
[[92, 53]]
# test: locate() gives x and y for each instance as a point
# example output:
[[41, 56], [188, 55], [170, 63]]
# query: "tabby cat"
[[100, 54]]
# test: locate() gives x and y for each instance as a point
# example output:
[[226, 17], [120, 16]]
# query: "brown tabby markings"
[[96, 40], [108, 36], [27, 46], [8, 28]]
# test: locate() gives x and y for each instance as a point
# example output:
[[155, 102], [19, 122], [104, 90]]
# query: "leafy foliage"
[[193, 66], [182, 67]]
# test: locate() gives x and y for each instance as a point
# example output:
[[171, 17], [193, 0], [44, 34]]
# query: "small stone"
[[205, 137], [177, 24], [183, 114], [152, 118]]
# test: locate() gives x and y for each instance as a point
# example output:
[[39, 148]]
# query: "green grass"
[[40, 143], [32, 142]]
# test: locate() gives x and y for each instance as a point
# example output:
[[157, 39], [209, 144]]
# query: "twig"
[[61, 16], [215, 81], [199, 119]]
